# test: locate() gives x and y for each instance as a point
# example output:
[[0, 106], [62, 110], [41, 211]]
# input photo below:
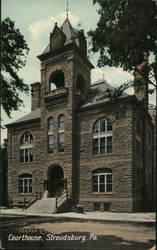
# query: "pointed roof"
[[70, 32]]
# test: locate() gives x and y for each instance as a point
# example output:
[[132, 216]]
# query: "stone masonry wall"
[[16, 168], [120, 160], [67, 159], [42, 160]]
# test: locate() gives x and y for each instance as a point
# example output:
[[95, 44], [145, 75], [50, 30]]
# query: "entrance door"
[[56, 181]]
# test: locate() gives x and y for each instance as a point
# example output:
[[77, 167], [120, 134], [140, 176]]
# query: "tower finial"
[[67, 8]]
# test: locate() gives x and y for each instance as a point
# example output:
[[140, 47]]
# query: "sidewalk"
[[95, 216]]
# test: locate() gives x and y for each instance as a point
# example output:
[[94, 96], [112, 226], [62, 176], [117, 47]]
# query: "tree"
[[125, 33], [126, 36], [13, 58]]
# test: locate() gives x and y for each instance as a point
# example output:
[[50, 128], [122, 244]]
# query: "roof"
[[70, 33], [97, 92], [35, 114]]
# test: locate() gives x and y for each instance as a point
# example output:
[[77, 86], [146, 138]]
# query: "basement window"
[[96, 206], [107, 206]]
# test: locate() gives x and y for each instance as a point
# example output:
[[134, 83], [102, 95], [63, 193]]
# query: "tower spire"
[[67, 8]]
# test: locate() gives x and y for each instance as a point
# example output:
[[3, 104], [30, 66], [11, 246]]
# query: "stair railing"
[[60, 199], [31, 200]]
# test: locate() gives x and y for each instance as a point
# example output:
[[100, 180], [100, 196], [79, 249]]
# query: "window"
[[102, 180], [81, 85], [102, 136], [96, 206], [25, 183], [61, 122], [61, 133], [50, 124], [50, 132], [50, 143], [107, 206], [61, 142], [26, 147]]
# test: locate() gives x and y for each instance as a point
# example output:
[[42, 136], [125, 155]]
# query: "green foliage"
[[13, 58], [115, 93], [124, 31]]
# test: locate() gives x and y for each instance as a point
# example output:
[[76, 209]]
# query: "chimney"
[[36, 95]]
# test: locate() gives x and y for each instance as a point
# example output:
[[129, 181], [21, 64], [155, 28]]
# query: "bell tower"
[[64, 63], [65, 83]]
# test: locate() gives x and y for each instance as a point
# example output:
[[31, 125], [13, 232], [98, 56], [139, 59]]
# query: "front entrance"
[[55, 181]]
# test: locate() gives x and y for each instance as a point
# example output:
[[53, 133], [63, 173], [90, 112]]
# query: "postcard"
[[78, 125]]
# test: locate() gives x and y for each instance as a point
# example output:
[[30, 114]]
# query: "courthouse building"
[[99, 150]]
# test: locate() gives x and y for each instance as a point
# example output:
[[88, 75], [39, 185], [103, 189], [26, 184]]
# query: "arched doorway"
[[55, 180]]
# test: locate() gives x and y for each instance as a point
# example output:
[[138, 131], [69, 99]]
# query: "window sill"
[[25, 194], [102, 193], [23, 163], [100, 155]]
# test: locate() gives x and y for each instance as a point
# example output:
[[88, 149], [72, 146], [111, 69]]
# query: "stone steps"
[[45, 206]]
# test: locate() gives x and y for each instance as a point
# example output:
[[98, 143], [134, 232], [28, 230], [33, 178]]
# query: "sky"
[[35, 19]]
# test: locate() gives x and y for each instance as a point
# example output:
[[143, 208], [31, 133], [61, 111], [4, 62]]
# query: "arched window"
[[26, 138], [25, 183], [102, 136], [81, 84], [61, 122], [26, 147], [56, 80], [102, 180], [61, 133], [50, 124], [50, 134]]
